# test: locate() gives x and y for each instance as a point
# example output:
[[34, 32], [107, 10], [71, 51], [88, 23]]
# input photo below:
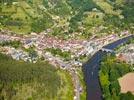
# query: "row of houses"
[[18, 54], [127, 54]]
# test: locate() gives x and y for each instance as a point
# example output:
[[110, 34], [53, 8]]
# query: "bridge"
[[107, 50]]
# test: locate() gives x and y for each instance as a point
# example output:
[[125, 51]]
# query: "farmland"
[[63, 17]]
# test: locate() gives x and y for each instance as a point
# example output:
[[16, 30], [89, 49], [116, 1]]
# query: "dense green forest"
[[64, 17], [27, 81], [111, 69]]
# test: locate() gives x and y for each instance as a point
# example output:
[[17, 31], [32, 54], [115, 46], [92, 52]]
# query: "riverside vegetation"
[[111, 69]]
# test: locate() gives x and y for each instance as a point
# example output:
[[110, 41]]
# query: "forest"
[[111, 69], [27, 81]]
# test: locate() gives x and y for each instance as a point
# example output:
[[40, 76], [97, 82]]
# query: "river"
[[91, 69]]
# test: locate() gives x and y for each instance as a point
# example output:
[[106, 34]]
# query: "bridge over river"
[[91, 69], [107, 50]]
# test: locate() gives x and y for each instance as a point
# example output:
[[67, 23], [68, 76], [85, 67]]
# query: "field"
[[20, 16], [26, 81], [126, 82], [87, 17]]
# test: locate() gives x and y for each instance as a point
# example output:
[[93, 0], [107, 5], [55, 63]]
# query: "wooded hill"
[[27, 81]]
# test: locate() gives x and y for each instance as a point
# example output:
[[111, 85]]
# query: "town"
[[43, 41]]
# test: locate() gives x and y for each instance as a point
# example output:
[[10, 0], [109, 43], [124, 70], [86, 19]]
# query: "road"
[[76, 84]]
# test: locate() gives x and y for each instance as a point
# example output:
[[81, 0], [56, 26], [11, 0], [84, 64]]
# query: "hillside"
[[63, 17], [26, 81]]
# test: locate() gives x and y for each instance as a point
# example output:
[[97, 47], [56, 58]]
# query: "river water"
[[91, 69]]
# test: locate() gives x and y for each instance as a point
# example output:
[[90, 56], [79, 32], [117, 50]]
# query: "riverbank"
[[114, 84], [91, 68]]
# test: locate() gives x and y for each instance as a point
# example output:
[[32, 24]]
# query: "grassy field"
[[26, 81], [80, 75], [66, 92], [19, 17]]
